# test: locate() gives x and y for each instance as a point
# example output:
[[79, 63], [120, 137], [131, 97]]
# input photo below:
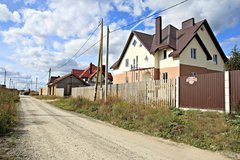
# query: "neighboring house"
[[67, 82], [169, 53], [90, 73]]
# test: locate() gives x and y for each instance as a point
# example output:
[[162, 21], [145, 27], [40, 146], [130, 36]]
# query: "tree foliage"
[[234, 61]]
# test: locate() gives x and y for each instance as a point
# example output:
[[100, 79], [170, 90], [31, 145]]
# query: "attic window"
[[134, 43], [215, 60], [202, 29], [146, 58], [140, 45], [165, 54], [193, 53]]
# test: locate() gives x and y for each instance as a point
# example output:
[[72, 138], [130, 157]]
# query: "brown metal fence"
[[234, 88], [204, 91]]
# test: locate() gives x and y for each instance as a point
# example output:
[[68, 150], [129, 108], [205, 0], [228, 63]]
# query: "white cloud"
[[220, 14], [133, 7], [47, 38], [29, 2], [7, 15]]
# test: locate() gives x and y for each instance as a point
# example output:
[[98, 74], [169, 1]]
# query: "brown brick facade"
[[186, 70]]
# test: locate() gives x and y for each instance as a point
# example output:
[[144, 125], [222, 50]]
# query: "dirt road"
[[51, 133]]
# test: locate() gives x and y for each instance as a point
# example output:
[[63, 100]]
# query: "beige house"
[[169, 53], [66, 82]]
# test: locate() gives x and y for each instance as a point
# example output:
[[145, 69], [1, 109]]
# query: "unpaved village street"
[[51, 133]]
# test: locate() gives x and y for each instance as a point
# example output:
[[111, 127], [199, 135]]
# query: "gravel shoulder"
[[51, 133]]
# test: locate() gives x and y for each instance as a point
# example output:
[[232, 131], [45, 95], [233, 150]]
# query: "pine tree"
[[234, 61]]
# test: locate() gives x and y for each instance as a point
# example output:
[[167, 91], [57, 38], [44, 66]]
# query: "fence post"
[[227, 91], [177, 92]]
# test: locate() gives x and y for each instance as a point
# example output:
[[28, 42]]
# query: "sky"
[[36, 35]]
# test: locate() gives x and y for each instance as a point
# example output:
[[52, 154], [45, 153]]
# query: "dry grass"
[[8, 111], [207, 130]]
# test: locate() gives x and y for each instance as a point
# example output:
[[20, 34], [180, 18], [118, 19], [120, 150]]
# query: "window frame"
[[126, 62], [134, 43], [215, 59], [165, 54], [193, 53]]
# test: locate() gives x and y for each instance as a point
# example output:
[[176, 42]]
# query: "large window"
[[215, 60], [134, 43], [127, 62], [193, 53]]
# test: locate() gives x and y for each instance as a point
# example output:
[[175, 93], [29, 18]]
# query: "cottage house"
[[67, 82], [169, 53], [90, 73]]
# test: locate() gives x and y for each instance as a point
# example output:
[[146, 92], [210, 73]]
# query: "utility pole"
[[36, 83], [106, 68], [49, 74], [49, 78], [5, 75], [99, 63]]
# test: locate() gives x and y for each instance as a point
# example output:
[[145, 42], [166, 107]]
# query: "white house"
[[169, 53]]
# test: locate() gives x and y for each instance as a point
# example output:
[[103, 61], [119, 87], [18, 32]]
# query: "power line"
[[130, 24], [144, 18], [80, 47]]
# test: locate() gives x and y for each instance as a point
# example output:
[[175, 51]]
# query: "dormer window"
[[193, 53], [134, 43]]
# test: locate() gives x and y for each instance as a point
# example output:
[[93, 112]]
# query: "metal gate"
[[204, 91]]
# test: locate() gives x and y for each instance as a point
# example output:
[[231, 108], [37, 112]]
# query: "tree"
[[234, 61]]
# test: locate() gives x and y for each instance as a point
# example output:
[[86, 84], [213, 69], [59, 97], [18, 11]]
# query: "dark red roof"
[[174, 38], [91, 70], [77, 72]]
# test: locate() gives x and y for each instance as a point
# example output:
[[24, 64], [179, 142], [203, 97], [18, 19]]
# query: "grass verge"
[[8, 119], [207, 130]]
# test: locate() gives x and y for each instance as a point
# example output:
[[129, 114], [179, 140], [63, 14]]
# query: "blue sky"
[[38, 34]]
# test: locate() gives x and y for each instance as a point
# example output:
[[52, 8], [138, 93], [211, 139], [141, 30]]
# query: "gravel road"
[[51, 133]]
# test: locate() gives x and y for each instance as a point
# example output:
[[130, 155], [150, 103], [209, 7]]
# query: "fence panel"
[[205, 91], [234, 88], [159, 92]]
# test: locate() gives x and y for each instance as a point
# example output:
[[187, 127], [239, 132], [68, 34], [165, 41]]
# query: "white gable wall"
[[131, 53], [201, 60]]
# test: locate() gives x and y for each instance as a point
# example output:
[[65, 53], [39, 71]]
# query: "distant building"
[[90, 73]]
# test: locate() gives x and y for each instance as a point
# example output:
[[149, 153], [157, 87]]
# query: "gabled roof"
[[91, 70], [174, 38], [77, 72], [66, 76], [144, 38], [52, 79]]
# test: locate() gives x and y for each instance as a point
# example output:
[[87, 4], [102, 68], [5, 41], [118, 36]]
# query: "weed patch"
[[206, 130]]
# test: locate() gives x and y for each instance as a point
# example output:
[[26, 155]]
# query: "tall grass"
[[207, 130], [8, 111]]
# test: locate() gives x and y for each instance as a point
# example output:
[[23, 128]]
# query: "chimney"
[[90, 68], [188, 23], [158, 30]]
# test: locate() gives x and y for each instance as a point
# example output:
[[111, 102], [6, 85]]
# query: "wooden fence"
[[213, 91], [158, 92]]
